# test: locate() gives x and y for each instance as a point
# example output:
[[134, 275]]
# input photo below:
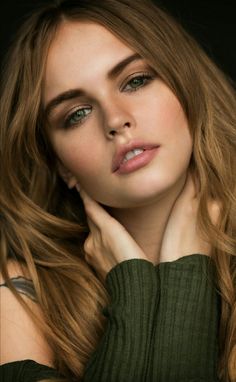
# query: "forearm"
[[187, 322], [123, 352]]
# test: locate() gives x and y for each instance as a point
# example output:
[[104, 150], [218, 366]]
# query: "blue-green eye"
[[77, 117], [138, 81]]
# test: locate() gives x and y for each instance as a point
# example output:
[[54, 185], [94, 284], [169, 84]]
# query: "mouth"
[[129, 160], [132, 154]]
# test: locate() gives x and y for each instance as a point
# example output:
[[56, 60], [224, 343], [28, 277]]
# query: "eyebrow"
[[75, 93]]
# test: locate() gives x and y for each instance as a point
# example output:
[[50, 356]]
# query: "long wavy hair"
[[43, 224]]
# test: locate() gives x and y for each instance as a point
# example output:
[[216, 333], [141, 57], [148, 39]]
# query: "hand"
[[108, 242], [182, 236]]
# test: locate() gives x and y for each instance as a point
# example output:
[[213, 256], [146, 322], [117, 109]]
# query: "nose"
[[118, 118]]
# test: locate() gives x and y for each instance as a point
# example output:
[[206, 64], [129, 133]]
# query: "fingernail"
[[77, 186]]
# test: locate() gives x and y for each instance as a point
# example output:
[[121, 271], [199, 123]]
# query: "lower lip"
[[137, 162]]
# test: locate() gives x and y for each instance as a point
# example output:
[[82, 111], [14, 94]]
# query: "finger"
[[92, 226], [189, 189], [214, 209], [88, 247], [94, 210]]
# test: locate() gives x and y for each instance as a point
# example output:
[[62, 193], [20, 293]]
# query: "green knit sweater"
[[162, 326]]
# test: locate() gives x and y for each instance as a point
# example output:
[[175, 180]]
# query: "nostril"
[[112, 132]]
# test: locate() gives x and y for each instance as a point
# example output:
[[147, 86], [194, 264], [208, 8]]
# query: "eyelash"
[[144, 76]]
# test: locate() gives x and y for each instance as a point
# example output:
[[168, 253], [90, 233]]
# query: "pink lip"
[[136, 162]]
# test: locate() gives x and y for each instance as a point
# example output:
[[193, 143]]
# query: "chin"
[[154, 186], [140, 193], [136, 199]]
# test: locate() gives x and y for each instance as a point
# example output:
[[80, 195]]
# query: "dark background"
[[212, 23]]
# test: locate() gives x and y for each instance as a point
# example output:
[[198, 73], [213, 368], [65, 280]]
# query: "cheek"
[[75, 154], [175, 126], [173, 132], [179, 140], [165, 115]]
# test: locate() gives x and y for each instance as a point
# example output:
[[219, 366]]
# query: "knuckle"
[[192, 208], [87, 258], [214, 209], [88, 245]]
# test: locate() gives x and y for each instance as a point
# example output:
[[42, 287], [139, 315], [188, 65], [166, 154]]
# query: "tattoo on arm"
[[23, 286]]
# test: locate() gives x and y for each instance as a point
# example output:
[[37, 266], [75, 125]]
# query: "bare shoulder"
[[15, 269], [20, 338]]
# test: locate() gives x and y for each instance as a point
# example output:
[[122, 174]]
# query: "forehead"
[[80, 52]]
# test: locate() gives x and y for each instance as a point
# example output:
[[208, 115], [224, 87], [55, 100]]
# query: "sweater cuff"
[[193, 270], [131, 280]]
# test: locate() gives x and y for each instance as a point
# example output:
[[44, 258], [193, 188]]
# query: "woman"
[[117, 200]]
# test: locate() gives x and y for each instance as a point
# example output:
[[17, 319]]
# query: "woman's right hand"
[[108, 242]]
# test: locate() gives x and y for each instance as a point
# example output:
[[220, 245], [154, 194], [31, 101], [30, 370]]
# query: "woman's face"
[[95, 111]]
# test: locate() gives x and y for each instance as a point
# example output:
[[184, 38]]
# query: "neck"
[[147, 224]]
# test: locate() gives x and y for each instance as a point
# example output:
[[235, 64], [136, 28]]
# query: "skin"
[[17, 326], [151, 213], [129, 215]]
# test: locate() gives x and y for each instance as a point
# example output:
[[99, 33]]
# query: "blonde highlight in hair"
[[42, 223]]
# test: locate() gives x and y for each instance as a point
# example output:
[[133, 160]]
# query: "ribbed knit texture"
[[123, 351], [186, 330], [162, 324]]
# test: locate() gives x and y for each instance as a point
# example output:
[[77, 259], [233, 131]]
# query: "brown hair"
[[41, 222]]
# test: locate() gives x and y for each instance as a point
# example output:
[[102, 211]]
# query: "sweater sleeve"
[[185, 346], [162, 326], [123, 352], [26, 371]]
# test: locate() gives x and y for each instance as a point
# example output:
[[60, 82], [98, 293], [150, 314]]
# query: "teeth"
[[132, 154]]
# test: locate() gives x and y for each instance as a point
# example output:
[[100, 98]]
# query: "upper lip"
[[123, 150]]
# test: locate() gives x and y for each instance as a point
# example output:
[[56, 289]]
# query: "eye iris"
[[77, 115], [137, 81]]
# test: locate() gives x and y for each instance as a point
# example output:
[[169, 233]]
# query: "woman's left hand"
[[182, 236]]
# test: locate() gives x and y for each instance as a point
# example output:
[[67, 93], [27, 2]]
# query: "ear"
[[66, 175]]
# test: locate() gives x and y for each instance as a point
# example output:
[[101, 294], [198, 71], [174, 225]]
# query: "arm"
[[186, 347], [20, 338], [165, 336], [177, 280], [133, 289], [123, 353], [188, 317]]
